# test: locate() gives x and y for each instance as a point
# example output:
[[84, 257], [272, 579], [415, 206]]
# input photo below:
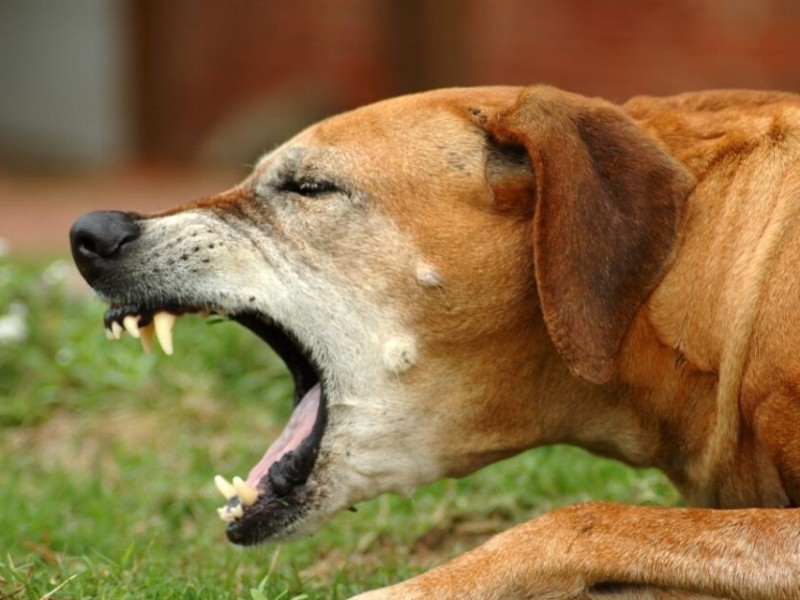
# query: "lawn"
[[108, 455]]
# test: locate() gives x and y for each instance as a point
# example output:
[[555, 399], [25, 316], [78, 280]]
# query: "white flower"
[[56, 272], [13, 328]]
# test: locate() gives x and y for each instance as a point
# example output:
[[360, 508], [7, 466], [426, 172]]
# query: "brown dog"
[[456, 276]]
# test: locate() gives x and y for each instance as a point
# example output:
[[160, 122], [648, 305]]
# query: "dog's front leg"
[[509, 566], [614, 552]]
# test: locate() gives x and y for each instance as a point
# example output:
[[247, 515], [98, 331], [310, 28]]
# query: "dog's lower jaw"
[[281, 479], [358, 458]]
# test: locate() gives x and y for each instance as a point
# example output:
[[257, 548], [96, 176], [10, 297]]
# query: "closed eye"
[[310, 188]]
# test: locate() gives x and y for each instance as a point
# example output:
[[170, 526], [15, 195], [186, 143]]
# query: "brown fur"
[[687, 306], [621, 278]]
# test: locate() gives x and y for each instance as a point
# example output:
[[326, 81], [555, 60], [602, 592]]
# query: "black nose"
[[97, 239]]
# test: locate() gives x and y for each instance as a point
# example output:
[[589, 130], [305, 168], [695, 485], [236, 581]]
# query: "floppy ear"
[[606, 216]]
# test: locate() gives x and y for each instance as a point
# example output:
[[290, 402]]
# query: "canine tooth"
[[247, 493], [237, 512], [146, 337], [116, 330], [131, 325], [164, 322], [224, 486], [109, 333]]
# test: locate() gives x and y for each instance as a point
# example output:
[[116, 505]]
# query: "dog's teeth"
[[224, 486], [109, 333], [146, 337], [230, 513], [116, 330], [225, 514], [247, 493], [164, 322], [131, 325]]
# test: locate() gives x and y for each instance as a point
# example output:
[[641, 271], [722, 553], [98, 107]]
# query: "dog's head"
[[429, 268]]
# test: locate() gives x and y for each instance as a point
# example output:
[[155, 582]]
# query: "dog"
[[456, 276]]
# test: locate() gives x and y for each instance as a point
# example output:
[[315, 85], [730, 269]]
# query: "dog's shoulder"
[[700, 128]]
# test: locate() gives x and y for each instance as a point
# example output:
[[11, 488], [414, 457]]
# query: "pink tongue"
[[299, 427]]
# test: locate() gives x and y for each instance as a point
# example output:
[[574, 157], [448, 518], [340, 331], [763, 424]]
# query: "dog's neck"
[[688, 355], [659, 411]]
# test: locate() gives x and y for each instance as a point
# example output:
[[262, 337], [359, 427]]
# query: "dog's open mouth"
[[274, 495]]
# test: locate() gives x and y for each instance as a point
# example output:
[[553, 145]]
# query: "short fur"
[[494, 269]]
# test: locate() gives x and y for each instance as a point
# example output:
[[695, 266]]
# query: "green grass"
[[107, 456]]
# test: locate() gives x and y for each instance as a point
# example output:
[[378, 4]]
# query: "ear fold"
[[608, 205]]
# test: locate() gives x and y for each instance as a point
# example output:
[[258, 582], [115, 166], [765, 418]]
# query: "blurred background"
[[107, 453], [146, 103]]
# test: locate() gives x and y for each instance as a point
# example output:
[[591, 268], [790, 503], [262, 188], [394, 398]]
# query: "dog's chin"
[[276, 499]]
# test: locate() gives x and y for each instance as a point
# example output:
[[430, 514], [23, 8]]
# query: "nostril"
[[85, 244], [103, 233], [103, 246]]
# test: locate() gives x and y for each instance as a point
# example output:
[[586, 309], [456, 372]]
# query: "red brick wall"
[[619, 48], [199, 61], [202, 61]]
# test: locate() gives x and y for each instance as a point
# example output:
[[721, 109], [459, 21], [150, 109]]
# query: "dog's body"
[[471, 273]]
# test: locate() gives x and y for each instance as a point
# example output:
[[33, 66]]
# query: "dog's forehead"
[[424, 123], [415, 118]]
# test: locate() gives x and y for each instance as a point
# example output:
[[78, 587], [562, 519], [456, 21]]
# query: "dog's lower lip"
[[281, 478]]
